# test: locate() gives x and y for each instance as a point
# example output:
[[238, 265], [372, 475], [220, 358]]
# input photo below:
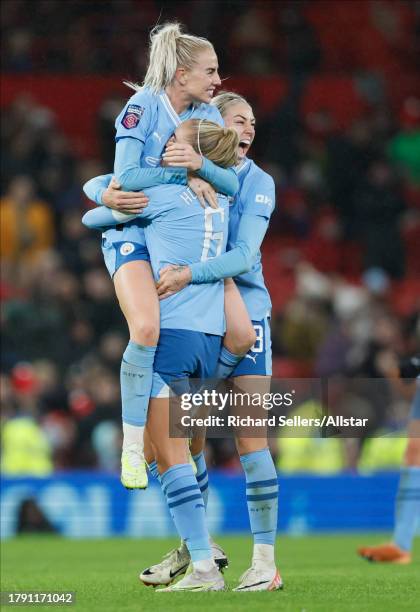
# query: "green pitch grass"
[[321, 574]]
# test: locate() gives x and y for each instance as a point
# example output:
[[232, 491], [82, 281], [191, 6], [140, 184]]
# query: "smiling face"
[[240, 117], [201, 80]]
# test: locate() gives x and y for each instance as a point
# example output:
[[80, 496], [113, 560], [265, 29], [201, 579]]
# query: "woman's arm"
[[105, 190], [238, 260], [224, 180], [132, 177], [99, 218], [94, 189]]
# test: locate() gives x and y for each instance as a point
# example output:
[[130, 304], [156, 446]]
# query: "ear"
[[181, 75]]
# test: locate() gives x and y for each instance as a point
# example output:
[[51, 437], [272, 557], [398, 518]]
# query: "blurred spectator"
[[27, 227], [378, 207], [404, 147], [338, 199]]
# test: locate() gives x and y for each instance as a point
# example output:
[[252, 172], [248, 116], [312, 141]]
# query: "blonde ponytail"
[[169, 49], [218, 144]]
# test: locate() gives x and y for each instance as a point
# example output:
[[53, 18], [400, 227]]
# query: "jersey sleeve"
[[95, 187], [103, 217], [224, 180], [238, 260], [136, 117], [259, 195], [132, 177]]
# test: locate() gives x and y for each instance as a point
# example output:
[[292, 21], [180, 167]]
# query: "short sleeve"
[[259, 195], [135, 118]]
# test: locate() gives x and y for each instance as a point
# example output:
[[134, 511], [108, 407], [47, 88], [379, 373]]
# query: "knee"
[[412, 453], [197, 446], [168, 457], [250, 445], [239, 343], [145, 332]]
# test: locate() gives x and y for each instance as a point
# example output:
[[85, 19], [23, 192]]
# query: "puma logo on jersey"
[[252, 357], [157, 136]]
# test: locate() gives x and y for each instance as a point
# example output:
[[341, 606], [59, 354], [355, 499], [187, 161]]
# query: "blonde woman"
[[179, 84], [192, 324], [249, 217]]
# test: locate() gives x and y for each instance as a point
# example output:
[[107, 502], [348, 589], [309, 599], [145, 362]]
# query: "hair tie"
[[198, 137]]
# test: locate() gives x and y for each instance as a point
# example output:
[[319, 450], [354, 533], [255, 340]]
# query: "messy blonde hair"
[[218, 144], [169, 49], [224, 99]]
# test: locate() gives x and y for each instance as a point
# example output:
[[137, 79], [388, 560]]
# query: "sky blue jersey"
[[151, 119], [256, 197], [179, 231]]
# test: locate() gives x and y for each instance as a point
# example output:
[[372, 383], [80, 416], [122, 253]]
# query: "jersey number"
[[213, 233], [259, 342]]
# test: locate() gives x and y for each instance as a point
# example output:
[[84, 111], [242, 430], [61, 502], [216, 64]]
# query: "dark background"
[[337, 101]]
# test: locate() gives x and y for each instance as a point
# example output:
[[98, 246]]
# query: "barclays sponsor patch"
[[132, 116]]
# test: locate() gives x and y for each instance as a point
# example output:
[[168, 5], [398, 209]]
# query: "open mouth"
[[244, 145]]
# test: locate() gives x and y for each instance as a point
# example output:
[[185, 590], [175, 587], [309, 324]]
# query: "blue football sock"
[[186, 506], [202, 476], [261, 494], [227, 362], [407, 507], [136, 382], [153, 469]]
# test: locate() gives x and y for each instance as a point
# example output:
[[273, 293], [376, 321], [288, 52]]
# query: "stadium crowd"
[[342, 258]]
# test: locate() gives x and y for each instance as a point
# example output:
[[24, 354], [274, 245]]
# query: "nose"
[[216, 79]]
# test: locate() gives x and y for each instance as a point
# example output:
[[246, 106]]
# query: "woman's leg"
[[180, 486], [240, 334], [261, 491], [136, 293], [239, 338]]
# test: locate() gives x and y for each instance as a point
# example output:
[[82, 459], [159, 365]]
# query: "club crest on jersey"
[[127, 248], [132, 116]]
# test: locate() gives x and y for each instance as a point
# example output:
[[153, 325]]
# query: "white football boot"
[[260, 577], [133, 468], [175, 563], [197, 581]]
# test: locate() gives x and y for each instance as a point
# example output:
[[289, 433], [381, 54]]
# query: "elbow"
[[126, 178], [247, 260], [123, 178], [85, 220], [86, 189]]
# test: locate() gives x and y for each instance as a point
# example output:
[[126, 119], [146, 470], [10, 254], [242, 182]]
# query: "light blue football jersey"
[[179, 231], [256, 196], [151, 118]]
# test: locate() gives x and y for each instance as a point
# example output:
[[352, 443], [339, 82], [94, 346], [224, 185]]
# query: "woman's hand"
[[182, 156], [172, 279], [124, 201], [204, 192]]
